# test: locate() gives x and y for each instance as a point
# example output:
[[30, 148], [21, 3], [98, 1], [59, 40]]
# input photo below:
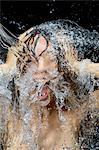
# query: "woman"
[[51, 84]]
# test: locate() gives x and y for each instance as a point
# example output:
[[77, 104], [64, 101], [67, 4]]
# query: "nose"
[[41, 73], [42, 65]]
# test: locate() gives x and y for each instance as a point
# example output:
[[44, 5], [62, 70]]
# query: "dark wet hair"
[[85, 41]]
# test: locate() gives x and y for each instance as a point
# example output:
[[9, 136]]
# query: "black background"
[[18, 16]]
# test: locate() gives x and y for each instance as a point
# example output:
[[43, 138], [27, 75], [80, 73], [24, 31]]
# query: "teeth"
[[42, 94]]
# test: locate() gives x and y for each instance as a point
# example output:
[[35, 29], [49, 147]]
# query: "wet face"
[[43, 82], [45, 66]]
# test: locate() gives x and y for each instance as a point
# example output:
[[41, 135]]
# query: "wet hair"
[[60, 33], [65, 87], [89, 131], [85, 42], [7, 39]]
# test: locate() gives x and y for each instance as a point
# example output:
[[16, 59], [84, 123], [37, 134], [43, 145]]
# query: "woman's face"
[[45, 66], [43, 79]]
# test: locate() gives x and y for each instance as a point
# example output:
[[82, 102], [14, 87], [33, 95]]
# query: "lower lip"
[[44, 98]]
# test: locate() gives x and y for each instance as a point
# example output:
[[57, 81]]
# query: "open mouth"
[[43, 95]]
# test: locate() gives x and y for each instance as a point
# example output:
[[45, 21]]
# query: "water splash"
[[6, 37], [59, 33]]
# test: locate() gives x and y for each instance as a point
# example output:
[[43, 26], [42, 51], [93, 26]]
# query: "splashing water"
[[6, 37], [63, 34]]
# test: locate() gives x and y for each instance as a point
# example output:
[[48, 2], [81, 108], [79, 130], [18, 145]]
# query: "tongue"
[[44, 94]]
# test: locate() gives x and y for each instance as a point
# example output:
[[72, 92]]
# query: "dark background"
[[19, 16]]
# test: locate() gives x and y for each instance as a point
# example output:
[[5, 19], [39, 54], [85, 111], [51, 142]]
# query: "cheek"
[[50, 65], [53, 66], [32, 67]]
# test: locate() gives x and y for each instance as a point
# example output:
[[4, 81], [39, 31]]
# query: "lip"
[[44, 94]]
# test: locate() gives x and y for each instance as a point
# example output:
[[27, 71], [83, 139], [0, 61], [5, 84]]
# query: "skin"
[[53, 132]]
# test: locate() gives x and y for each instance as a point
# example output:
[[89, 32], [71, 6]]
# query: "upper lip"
[[44, 79], [41, 76]]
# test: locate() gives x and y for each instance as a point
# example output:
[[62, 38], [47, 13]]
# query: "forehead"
[[40, 44]]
